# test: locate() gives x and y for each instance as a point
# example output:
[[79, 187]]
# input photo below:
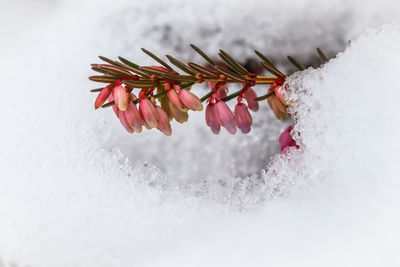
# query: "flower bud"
[[121, 97], [102, 97]]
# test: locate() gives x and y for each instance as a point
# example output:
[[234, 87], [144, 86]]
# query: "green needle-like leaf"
[[322, 55], [140, 84], [260, 55], [137, 71], [201, 53], [181, 65], [271, 69], [102, 78], [231, 75], [202, 70], [232, 63], [159, 60], [297, 64], [129, 63]]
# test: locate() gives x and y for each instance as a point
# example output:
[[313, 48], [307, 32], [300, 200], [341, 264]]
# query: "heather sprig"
[[163, 92]]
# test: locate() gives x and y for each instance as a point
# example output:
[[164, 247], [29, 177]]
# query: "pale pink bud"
[[163, 122], [225, 116], [177, 114], [148, 112], [121, 97], [174, 99], [243, 118], [124, 122], [190, 100], [250, 95], [133, 118], [212, 119], [102, 97]]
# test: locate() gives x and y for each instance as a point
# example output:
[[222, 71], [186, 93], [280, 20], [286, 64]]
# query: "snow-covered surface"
[[75, 190]]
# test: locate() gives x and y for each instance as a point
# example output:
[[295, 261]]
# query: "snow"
[[76, 190]]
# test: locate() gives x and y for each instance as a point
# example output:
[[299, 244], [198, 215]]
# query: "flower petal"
[[225, 117], [243, 118], [212, 119], [102, 97], [177, 114], [148, 112], [174, 99], [250, 95], [124, 122], [163, 122], [133, 118], [190, 100]]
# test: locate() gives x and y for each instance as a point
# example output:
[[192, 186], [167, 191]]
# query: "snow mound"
[[75, 190]]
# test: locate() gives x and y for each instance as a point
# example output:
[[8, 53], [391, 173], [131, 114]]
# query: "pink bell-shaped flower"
[[163, 122], [250, 95], [225, 117], [124, 122], [243, 118], [212, 119], [133, 118], [148, 112]]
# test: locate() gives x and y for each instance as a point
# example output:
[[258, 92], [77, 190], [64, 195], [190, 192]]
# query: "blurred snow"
[[75, 190]]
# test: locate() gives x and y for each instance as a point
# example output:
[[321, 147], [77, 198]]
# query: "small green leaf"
[[159, 60], [233, 64], [201, 53], [181, 65], [129, 63], [271, 69], [203, 70], [297, 64], [322, 55]]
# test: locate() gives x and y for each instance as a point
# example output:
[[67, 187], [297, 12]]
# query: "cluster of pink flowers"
[[149, 114], [219, 114], [175, 102]]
